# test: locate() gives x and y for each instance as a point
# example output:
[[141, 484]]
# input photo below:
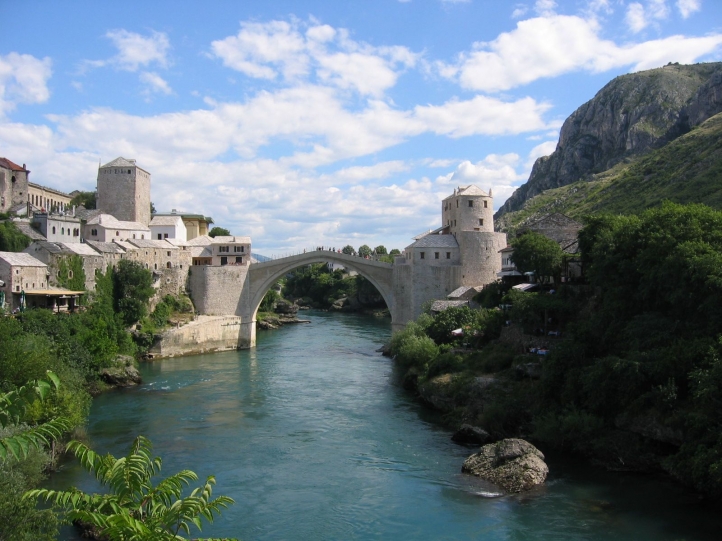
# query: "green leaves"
[[13, 406], [135, 509]]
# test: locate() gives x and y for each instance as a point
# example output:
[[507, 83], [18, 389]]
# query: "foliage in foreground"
[[135, 508]]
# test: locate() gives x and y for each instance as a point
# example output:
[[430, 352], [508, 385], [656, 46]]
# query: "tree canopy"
[[381, 250], [132, 289], [219, 232], [348, 250], [364, 250], [538, 254], [87, 199]]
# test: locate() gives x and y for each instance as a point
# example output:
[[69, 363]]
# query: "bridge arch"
[[263, 275]]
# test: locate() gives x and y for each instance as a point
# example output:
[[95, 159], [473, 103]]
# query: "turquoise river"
[[313, 438]]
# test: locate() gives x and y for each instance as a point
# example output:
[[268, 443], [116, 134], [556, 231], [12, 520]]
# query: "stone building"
[[167, 227], [48, 199], [464, 251], [168, 263], [196, 225], [124, 191], [19, 273], [111, 252], [106, 228], [230, 250], [55, 254], [58, 227], [13, 185]]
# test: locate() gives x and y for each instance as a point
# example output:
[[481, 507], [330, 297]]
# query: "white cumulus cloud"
[[23, 79], [136, 51], [546, 47], [688, 7]]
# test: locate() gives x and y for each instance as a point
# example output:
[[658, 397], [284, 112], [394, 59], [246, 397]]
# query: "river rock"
[[512, 464], [471, 434], [122, 373], [285, 307]]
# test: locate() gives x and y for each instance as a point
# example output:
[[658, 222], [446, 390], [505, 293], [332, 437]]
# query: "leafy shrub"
[[445, 363]]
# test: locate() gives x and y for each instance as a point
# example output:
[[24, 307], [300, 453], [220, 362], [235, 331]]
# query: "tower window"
[[436, 255], [471, 203], [422, 255], [481, 221], [485, 204], [448, 255]]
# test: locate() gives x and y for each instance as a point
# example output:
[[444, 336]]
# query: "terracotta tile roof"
[[7, 164]]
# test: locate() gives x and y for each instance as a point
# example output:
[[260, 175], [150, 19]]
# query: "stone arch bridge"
[[237, 290]]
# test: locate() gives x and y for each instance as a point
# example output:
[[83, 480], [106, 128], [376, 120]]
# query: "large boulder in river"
[[121, 373], [512, 464]]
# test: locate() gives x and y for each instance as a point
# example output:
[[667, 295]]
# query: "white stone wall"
[[430, 256], [468, 213], [206, 334]]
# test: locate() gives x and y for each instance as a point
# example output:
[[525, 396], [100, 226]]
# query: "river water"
[[314, 440]]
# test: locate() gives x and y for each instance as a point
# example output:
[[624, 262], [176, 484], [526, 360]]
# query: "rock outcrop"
[[512, 464], [471, 434], [122, 373], [631, 115]]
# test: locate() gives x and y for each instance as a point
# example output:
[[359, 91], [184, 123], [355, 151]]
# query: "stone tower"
[[124, 191], [468, 215], [13, 184]]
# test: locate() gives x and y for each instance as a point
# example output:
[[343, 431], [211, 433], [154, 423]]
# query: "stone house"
[[167, 227], [58, 227], [20, 273], [106, 228], [55, 254], [230, 250], [112, 252], [168, 263]]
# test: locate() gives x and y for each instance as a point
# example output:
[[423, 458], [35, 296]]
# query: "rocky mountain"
[[686, 170], [631, 116]]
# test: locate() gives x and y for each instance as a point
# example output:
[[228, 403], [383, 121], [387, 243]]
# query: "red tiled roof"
[[7, 164]]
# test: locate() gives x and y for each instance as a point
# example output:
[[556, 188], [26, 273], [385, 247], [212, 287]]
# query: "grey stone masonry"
[[124, 191]]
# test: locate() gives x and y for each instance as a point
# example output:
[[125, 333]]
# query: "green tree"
[[11, 239], [87, 199], [538, 254], [219, 232], [364, 250], [135, 508], [133, 288], [381, 250], [395, 251], [348, 250]]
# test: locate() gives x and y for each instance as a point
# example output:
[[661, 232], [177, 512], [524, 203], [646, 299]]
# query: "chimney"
[[173, 211]]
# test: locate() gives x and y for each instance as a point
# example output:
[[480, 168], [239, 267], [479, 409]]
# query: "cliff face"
[[630, 116]]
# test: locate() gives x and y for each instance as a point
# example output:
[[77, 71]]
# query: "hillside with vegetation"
[[629, 119], [625, 369], [686, 170]]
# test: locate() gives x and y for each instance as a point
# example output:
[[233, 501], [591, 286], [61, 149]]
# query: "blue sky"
[[306, 123]]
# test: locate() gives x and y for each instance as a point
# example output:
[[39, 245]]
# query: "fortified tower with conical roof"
[[124, 191]]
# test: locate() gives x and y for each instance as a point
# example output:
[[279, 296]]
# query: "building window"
[[471, 203], [436, 255], [70, 274], [160, 237], [484, 204], [62, 231], [168, 265], [448, 255], [165, 235], [481, 221], [142, 237], [53, 230], [457, 203], [133, 235], [155, 266], [239, 260], [117, 233], [422, 255], [224, 249], [17, 288], [224, 260], [168, 254]]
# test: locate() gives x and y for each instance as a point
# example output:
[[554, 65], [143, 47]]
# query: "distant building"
[[13, 185], [48, 199], [231, 251], [124, 191], [196, 225], [58, 227], [167, 227], [106, 228], [20, 273]]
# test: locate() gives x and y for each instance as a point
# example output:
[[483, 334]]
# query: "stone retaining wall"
[[206, 334]]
